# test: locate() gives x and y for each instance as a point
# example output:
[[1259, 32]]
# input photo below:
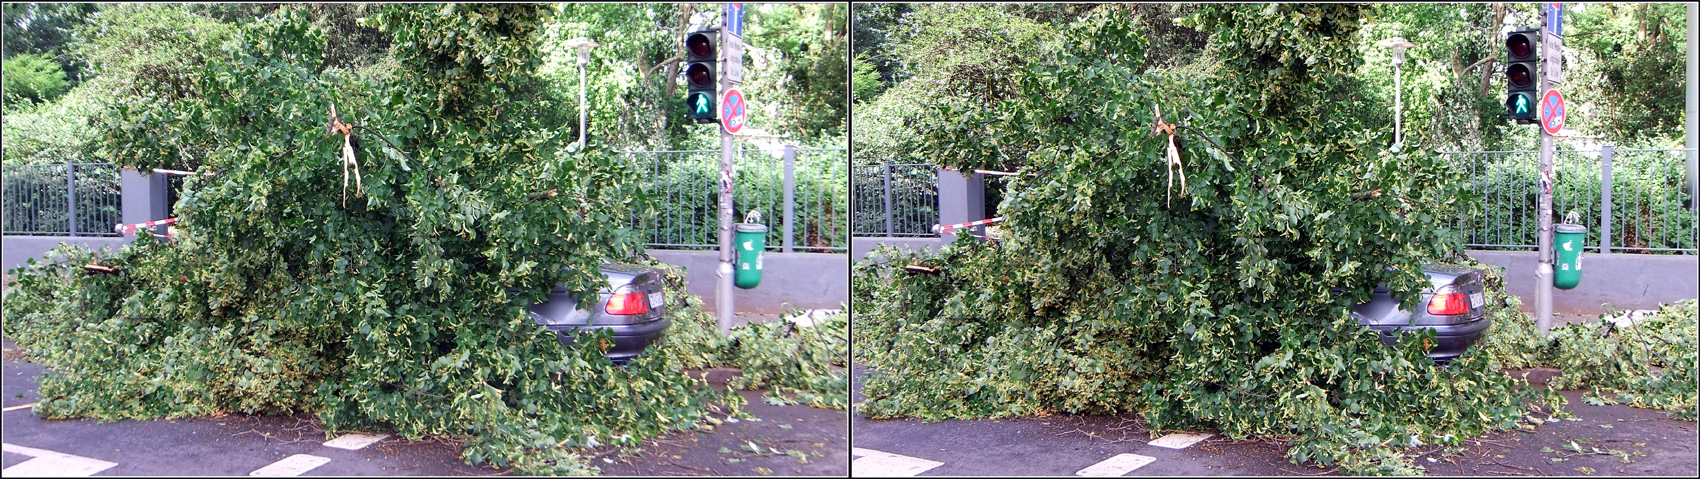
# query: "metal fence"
[[1642, 195], [895, 199], [800, 193], [70, 199]]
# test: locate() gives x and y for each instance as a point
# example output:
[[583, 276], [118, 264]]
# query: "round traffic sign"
[[1552, 112], [732, 110]]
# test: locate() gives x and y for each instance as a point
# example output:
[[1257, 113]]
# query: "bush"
[[30, 79]]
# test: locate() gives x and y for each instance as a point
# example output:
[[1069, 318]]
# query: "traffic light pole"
[[1544, 270], [723, 286]]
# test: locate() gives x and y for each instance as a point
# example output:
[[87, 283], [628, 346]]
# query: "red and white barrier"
[[131, 229], [945, 229]]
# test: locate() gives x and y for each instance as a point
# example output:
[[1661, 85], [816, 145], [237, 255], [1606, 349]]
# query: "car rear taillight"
[[628, 304], [1449, 301]]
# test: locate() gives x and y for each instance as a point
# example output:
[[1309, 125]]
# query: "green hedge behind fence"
[[686, 185], [1651, 204]]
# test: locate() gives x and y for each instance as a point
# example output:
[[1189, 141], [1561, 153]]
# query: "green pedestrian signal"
[[701, 58], [1522, 65], [701, 104]]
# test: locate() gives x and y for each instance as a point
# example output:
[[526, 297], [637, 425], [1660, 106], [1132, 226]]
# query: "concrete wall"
[[803, 280], [1626, 281], [143, 200], [19, 249], [859, 247]]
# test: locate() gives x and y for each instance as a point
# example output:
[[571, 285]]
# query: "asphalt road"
[[787, 440], [1064, 445]]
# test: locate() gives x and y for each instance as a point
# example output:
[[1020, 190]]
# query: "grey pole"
[[71, 197], [723, 287], [583, 45], [790, 196], [885, 170], [1543, 271], [581, 113], [1605, 197], [1691, 137]]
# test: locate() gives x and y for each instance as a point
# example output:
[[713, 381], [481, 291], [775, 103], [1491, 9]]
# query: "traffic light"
[[1521, 69], [700, 94]]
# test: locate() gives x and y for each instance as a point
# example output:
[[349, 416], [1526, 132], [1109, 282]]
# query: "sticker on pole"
[[1552, 112], [732, 110]]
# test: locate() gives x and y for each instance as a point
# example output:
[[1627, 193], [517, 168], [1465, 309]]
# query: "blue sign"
[[1555, 18], [735, 19]]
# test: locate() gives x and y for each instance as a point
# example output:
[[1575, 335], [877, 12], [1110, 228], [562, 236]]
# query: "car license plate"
[[1476, 300], [655, 299]]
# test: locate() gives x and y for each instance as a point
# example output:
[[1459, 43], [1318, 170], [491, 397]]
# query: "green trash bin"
[[1568, 240], [750, 241]]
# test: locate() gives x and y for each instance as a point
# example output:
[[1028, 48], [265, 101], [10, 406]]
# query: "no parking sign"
[[1552, 112], [732, 110]]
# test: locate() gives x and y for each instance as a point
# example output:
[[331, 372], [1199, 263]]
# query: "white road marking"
[[291, 466], [871, 463], [20, 406], [1180, 440], [1116, 466], [49, 463], [354, 442]]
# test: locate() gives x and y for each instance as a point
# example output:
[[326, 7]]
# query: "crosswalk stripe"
[[354, 442], [871, 463], [1116, 466], [291, 466], [1180, 440], [49, 463]]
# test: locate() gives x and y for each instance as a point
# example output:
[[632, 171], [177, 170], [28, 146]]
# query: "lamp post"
[[583, 45], [1398, 44]]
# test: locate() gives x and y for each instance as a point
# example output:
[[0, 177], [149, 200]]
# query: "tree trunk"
[[685, 12], [1499, 12]]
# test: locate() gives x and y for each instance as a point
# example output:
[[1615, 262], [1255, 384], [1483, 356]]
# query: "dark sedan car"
[[631, 306], [1453, 307]]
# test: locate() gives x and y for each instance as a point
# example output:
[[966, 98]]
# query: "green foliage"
[[45, 28], [864, 83], [805, 46], [403, 308], [55, 132], [1199, 304], [31, 78], [1647, 206], [778, 355], [1648, 363], [950, 53], [147, 49], [1634, 68]]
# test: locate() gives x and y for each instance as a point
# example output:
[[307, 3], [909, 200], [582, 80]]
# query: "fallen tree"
[[371, 264], [1188, 249]]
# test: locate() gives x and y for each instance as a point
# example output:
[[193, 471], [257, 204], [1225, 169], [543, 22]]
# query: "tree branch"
[[668, 61]]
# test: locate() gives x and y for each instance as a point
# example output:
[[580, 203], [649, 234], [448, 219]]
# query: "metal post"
[[885, 169], [1543, 271], [1691, 138], [581, 114], [1398, 105], [1605, 197], [71, 196], [790, 197], [723, 288]]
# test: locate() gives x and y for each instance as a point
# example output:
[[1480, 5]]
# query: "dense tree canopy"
[[1186, 247], [378, 276]]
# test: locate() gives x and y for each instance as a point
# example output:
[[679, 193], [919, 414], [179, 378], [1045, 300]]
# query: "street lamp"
[[1398, 44], [583, 45]]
